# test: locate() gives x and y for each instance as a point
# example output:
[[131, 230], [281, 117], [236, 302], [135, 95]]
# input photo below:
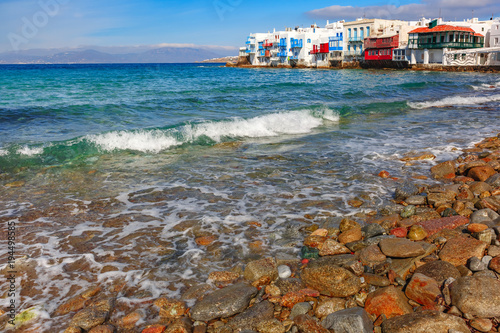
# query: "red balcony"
[[383, 42], [323, 48], [267, 44]]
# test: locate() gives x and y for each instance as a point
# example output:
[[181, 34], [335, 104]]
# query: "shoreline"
[[420, 67], [428, 258]]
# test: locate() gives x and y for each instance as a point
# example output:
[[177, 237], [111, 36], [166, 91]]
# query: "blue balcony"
[[262, 53], [296, 43], [336, 48], [282, 43], [336, 39], [283, 54], [294, 57], [248, 51], [250, 40]]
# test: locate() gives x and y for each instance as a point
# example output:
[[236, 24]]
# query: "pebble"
[[475, 264], [299, 309], [408, 211], [284, 272], [372, 230], [476, 227], [405, 190], [417, 233], [416, 200]]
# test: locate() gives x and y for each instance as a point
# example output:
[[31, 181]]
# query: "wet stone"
[[494, 264], [444, 170], [224, 302], [417, 233], [254, 270], [289, 285], [481, 173], [351, 235], [405, 190], [307, 324], [494, 181], [376, 280], [439, 270], [270, 326], [423, 289], [436, 225], [400, 248], [250, 318], [300, 309], [408, 211], [459, 249], [425, 321], [388, 301], [416, 200], [328, 306], [331, 247], [93, 315], [331, 280], [348, 224], [353, 320], [477, 296], [372, 230], [483, 216], [449, 212]]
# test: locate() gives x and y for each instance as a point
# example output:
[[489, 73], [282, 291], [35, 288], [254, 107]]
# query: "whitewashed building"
[[307, 47]]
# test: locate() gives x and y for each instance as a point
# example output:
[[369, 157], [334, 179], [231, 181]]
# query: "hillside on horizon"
[[92, 56]]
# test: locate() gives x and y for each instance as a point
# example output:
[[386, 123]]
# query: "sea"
[[141, 179]]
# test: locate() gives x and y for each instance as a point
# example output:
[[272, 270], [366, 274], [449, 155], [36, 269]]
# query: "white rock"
[[284, 271]]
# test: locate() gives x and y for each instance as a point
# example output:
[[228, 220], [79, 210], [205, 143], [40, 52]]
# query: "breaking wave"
[[455, 100], [270, 125]]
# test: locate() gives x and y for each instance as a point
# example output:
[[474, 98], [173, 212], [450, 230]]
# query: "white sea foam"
[[29, 151], [455, 100], [486, 86], [146, 141], [3, 152], [270, 125]]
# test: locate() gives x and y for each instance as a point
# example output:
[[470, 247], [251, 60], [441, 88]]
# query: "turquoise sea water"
[[112, 173]]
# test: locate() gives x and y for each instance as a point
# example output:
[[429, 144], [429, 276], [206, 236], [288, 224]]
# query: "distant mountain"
[[91, 56]]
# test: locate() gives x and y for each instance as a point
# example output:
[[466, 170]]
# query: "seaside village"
[[378, 43]]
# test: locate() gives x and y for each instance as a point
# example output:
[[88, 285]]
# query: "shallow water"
[[111, 172]]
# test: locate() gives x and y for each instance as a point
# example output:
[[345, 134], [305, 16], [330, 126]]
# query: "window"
[[496, 41], [349, 32], [309, 40]]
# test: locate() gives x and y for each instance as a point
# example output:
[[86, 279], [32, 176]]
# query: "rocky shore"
[[428, 262]]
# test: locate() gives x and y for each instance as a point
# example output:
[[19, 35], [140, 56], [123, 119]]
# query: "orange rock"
[[355, 203], [205, 240], [481, 173], [262, 281], [154, 329], [476, 227], [384, 174], [389, 301], [255, 224], [223, 276], [315, 241], [257, 245], [320, 232], [423, 289], [350, 235]]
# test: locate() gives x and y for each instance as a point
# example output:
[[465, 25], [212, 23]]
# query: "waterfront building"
[[427, 45], [307, 47], [357, 31]]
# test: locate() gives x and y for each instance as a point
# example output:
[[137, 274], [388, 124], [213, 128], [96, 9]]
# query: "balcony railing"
[[282, 44], [267, 44], [353, 53], [336, 48], [336, 39], [296, 43], [356, 39], [283, 54], [453, 45]]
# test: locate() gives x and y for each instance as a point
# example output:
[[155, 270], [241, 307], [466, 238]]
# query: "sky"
[[32, 24]]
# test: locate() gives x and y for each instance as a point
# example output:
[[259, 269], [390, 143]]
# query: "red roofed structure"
[[444, 36]]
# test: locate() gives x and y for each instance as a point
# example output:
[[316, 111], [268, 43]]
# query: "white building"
[[308, 47]]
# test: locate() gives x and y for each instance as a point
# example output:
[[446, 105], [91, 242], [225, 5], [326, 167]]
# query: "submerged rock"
[[224, 302], [329, 279], [425, 321], [353, 320]]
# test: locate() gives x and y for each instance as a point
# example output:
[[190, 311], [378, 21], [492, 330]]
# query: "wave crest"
[[455, 100], [270, 125]]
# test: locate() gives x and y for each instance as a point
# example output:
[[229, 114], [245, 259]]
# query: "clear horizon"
[[45, 24]]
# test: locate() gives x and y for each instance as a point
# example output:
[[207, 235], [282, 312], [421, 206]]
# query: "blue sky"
[[29, 24]]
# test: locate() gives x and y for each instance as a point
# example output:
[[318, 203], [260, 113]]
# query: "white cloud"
[[449, 9]]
